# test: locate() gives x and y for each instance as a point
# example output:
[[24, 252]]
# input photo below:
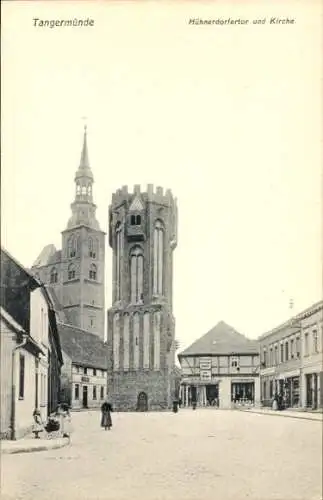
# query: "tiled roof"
[[222, 339], [47, 253], [82, 347], [56, 257]]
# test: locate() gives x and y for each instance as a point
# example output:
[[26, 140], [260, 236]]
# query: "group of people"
[[58, 421]]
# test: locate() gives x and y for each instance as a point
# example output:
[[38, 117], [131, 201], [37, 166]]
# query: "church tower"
[[83, 255], [141, 343]]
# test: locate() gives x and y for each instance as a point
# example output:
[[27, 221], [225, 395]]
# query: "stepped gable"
[[222, 339], [84, 348]]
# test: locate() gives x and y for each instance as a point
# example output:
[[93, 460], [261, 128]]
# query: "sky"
[[228, 117]]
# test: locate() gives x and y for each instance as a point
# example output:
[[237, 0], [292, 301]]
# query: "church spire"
[[84, 169], [83, 207], [84, 163]]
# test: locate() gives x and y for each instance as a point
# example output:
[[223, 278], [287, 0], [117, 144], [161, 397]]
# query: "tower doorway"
[[85, 397], [142, 404]]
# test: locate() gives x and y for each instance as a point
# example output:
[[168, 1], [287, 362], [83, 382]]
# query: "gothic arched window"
[[136, 271], [135, 220], [92, 248], [71, 250], [158, 258], [78, 189], [93, 272], [53, 275], [71, 272], [119, 255]]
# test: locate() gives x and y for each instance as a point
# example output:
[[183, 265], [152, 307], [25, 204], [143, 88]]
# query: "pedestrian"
[[106, 420], [64, 417], [38, 425]]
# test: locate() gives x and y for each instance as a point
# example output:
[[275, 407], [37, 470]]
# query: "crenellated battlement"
[[153, 194]]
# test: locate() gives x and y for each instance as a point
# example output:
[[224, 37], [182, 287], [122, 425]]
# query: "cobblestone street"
[[204, 454]]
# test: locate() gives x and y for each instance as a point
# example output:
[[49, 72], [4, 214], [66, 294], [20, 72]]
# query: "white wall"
[[39, 332], [39, 317], [26, 405]]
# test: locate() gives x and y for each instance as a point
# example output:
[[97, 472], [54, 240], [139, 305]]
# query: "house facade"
[[291, 360], [220, 369], [84, 374], [31, 356]]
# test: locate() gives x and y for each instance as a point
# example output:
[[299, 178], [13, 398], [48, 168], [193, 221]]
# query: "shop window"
[[77, 392], [101, 392], [94, 392]]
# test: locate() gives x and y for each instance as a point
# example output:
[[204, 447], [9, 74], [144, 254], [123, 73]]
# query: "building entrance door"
[[85, 397], [142, 404]]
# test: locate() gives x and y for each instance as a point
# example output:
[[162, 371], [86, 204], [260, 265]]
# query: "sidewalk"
[[28, 444], [305, 415]]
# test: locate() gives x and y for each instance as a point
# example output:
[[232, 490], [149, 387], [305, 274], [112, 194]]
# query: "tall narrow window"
[[126, 342], [136, 330], [71, 247], [158, 258], [157, 321], [76, 391], [306, 349], [315, 341], [94, 392], [136, 269], [93, 272], [21, 376], [146, 341], [282, 352], [53, 275], [92, 249], [71, 272], [286, 352], [116, 342], [119, 256]]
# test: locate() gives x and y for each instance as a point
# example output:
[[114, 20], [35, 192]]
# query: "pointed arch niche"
[[119, 257], [136, 274], [158, 258]]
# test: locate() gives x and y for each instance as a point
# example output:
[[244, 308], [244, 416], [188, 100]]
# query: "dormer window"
[[135, 220]]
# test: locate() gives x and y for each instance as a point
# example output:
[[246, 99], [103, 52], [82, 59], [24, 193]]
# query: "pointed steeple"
[[84, 163], [83, 207], [84, 169]]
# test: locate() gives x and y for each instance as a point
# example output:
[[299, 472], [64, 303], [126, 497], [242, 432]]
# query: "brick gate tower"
[[141, 342]]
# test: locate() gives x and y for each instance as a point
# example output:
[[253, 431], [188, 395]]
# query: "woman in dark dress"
[[106, 420]]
